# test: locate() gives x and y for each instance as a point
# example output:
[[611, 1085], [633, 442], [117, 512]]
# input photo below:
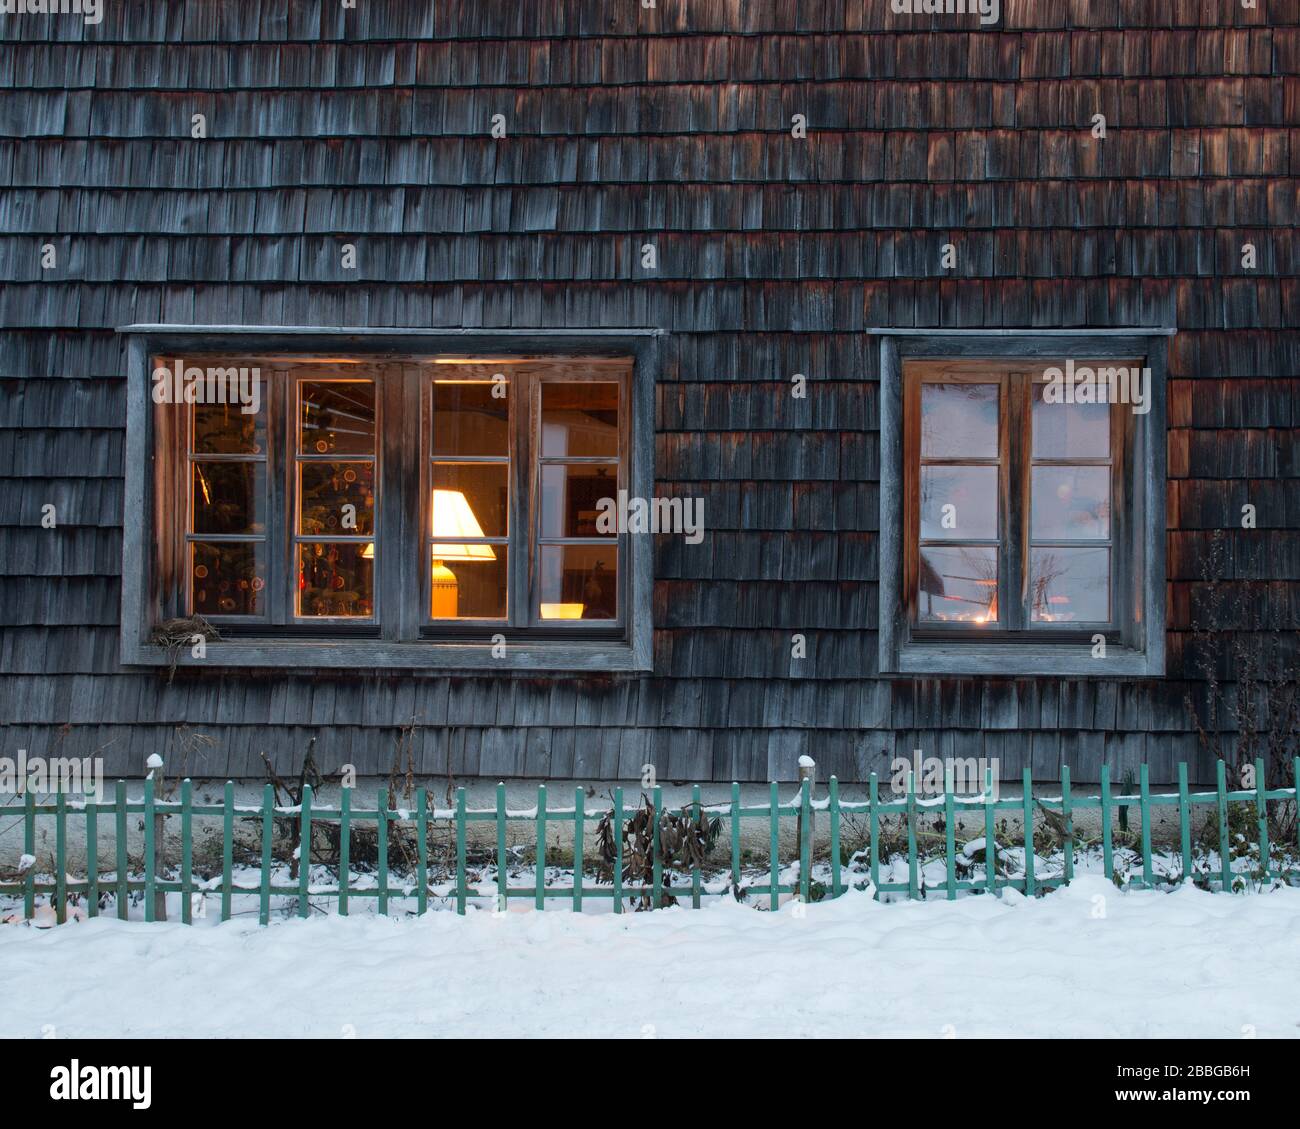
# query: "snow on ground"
[[1084, 961]]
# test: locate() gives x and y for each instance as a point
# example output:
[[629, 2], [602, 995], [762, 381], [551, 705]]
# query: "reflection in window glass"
[[958, 584], [1069, 585], [469, 419], [338, 417], [578, 581], [579, 419], [959, 421], [227, 497], [971, 492], [1070, 503], [224, 429], [1069, 431]]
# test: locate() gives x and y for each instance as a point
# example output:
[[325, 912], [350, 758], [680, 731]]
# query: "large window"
[[444, 506], [1022, 506]]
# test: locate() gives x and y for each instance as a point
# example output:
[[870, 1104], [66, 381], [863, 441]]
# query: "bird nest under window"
[[173, 634]]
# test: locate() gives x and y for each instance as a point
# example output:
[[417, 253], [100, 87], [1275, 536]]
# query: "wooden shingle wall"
[[669, 125]]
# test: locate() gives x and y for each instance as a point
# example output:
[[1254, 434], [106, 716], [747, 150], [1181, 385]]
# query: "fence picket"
[[539, 893], [60, 856], [695, 866], [990, 839], [187, 852], [150, 868], [268, 833], [29, 849], [123, 890], [579, 821], [1184, 823], [774, 845], [834, 807], [381, 828], [304, 850], [92, 858], [501, 846], [805, 837], [949, 833], [422, 852], [227, 848], [1144, 797], [345, 847], [1027, 788], [618, 850], [1225, 854], [873, 819], [1107, 855], [1261, 809], [656, 860], [913, 885], [1067, 816], [735, 839], [461, 877]]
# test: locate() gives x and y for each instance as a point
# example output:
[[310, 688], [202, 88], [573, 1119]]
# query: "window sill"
[[372, 655], [1024, 659]]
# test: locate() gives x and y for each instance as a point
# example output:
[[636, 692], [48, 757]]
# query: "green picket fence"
[[802, 808]]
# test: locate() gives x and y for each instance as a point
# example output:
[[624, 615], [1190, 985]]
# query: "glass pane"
[[338, 417], [224, 429], [958, 584], [336, 579], [469, 582], [227, 578], [1070, 502], [1069, 585], [959, 503], [1070, 431], [578, 581], [468, 419], [336, 498], [569, 499], [228, 497], [579, 419], [471, 499], [959, 421]]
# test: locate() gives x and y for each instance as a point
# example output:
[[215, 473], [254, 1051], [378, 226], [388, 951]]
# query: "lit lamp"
[[453, 520]]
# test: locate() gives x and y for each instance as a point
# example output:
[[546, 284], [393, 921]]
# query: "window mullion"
[[521, 551], [283, 493], [399, 449], [1015, 490]]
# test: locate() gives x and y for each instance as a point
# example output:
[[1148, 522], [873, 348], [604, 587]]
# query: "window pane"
[[972, 494], [468, 582], [959, 421], [1070, 431], [469, 420], [1070, 502], [325, 492], [569, 498], [228, 497], [338, 417], [336, 579], [227, 578], [470, 499], [958, 584], [579, 419], [223, 429], [1069, 585], [578, 581]]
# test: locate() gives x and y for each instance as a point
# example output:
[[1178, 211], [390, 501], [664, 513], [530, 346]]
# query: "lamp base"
[[446, 592]]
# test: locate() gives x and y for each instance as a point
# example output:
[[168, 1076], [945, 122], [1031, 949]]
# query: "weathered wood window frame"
[[1134, 630], [402, 632]]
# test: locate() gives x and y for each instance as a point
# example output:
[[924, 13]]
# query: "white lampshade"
[[453, 519]]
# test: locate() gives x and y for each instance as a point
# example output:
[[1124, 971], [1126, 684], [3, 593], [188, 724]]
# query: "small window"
[[1022, 522], [446, 502]]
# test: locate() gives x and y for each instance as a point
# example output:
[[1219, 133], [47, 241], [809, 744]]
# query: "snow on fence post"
[[990, 838], [949, 832], [156, 834], [28, 861]]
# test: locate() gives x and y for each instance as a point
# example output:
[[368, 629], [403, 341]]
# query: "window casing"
[[433, 507], [1018, 535]]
